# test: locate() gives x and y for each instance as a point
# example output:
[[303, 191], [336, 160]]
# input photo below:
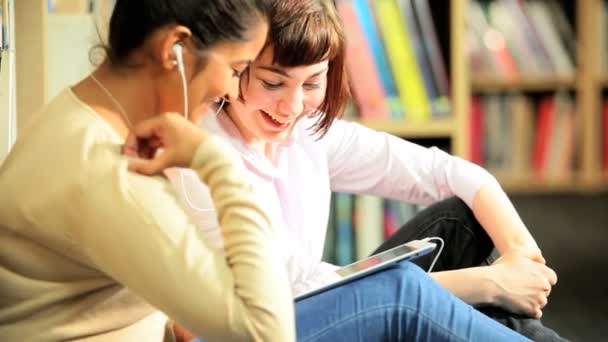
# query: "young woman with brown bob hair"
[[286, 128]]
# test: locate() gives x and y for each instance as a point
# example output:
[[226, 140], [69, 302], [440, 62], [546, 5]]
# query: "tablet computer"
[[375, 263]]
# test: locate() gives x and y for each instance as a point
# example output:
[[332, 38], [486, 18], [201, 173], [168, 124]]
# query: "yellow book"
[[403, 61]]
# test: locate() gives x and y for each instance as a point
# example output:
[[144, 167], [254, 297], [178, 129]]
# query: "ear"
[[175, 35]]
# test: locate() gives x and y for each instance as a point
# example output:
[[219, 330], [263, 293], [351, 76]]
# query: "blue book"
[[368, 24], [344, 229]]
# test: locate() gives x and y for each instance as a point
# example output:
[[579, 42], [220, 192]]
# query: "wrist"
[[489, 288]]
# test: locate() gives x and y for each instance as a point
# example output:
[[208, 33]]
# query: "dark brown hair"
[[132, 22], [305, 32]]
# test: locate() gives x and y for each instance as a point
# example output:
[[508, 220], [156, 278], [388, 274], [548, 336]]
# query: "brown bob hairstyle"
[[305, 32]]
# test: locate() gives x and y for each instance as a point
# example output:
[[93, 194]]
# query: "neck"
[[132, 90], [258, 145]]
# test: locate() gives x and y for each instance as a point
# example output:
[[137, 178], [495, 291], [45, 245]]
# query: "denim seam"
[[381, 309]]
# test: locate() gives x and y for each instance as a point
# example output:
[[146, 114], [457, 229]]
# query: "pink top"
[[296, 192]]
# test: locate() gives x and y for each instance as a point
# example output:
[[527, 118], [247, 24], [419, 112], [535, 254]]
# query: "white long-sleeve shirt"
[[349, 158]]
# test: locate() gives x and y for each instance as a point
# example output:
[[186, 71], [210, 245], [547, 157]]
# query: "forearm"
[[472, 285], [498, 216], [252, 254]]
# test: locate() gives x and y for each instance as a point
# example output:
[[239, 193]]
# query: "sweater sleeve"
[[137, 233]]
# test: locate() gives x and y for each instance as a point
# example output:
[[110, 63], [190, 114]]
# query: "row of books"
[[394, 60], [513, 38], [603, 37], [358, 224], [512, 134]]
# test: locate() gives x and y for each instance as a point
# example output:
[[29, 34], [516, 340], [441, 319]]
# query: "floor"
[[573, 233]]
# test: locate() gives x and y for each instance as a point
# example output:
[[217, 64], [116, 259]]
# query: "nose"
[[292, 104], [233, 90]]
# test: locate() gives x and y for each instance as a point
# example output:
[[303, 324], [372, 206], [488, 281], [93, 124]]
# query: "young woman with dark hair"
[[90, 250]]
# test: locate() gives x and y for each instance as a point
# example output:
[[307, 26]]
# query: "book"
[[431, 45], [344, 253], [403, 61], [368, 223], [330, 235], [364, 79], [370, 28], [547, 31], [488, 50], [522, 115], [545, 124], [477, 131], [437, 105]]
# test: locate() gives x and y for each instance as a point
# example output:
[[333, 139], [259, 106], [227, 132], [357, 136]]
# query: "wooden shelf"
[[489, 83], [528, 184], [603, 81], [441, 128]]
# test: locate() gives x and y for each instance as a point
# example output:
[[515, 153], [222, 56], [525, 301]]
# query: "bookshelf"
[[588, 177], [587, 85], [485, 83], [438, 128]]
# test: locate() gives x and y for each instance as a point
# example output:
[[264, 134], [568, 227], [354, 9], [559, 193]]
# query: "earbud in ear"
[[178, 50]]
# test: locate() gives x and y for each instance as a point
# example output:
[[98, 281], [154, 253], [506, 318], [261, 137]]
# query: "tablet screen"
[[374, 260]]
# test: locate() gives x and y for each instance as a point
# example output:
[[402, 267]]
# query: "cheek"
[[258, 97], [209, 85], [315, 99]]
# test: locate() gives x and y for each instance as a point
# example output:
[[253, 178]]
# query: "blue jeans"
[[466, 245], [402, 303]]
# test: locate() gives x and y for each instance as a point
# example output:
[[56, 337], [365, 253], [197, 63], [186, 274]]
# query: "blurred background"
[[517, 86]]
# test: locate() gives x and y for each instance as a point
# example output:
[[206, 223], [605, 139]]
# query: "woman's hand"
[[164, 141], [522, 284]]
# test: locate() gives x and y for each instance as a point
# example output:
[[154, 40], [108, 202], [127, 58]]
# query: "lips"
[[275, 119]]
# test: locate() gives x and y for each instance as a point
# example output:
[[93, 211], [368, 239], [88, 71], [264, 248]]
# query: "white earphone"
[[178, 50]]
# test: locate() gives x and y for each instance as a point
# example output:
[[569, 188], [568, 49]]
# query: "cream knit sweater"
[[89, 250]]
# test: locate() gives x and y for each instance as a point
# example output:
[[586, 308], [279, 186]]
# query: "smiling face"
[[277, 97]]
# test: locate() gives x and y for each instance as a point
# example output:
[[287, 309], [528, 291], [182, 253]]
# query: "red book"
[[544, 127], [605, 134], [477, 133]]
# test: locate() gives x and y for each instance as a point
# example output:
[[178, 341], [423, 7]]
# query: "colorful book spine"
[[546, 122], [370, 29], [344, 229], [364, 78], [368, 225], [403, 61], [422, 59], [477, 131]]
